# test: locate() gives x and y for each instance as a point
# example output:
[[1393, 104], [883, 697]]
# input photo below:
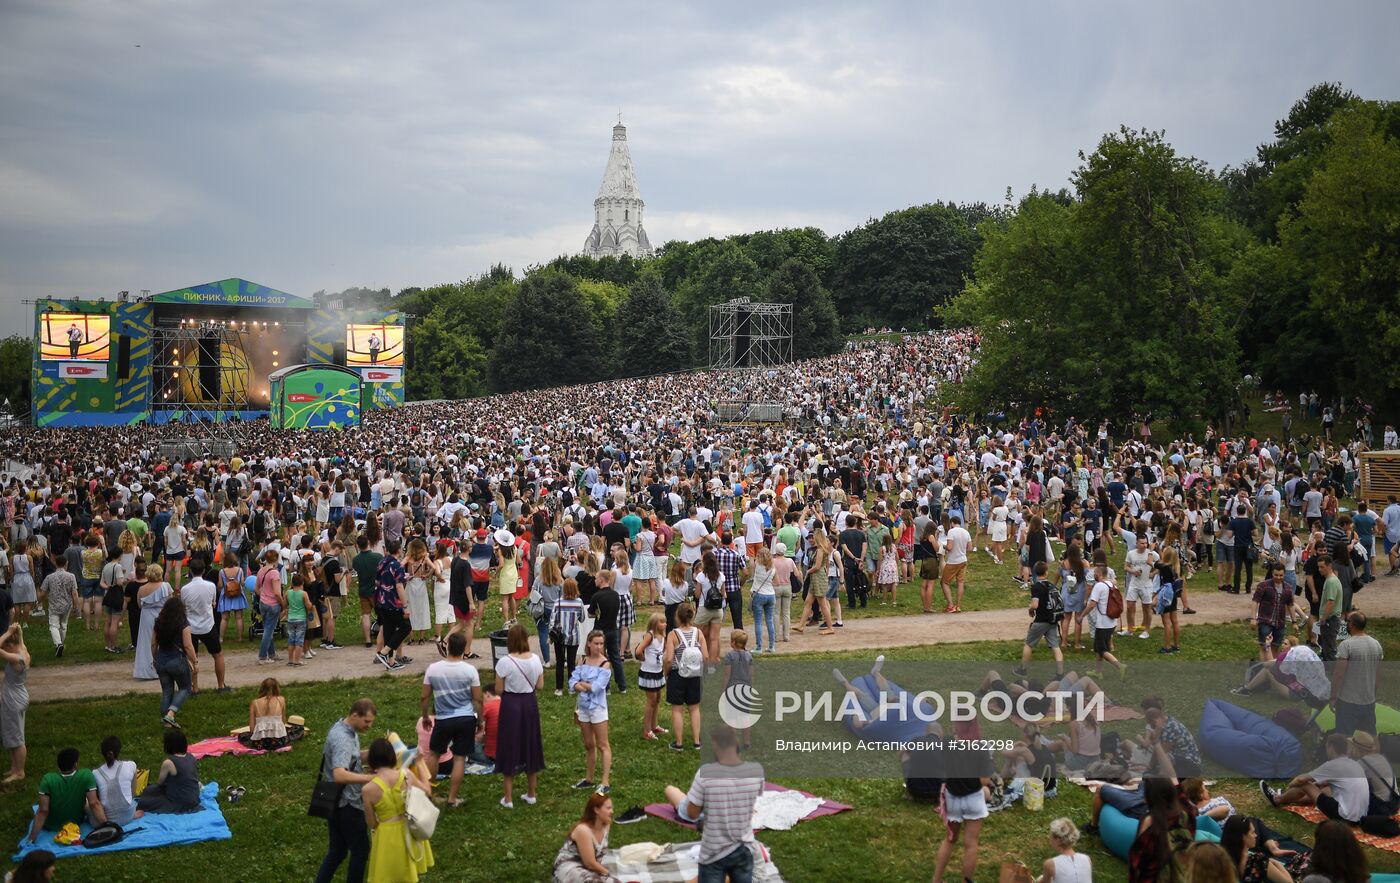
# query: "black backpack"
[[1054, 601]]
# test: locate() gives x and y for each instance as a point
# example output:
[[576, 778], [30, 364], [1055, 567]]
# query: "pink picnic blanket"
[[667, 812], [221, 745]]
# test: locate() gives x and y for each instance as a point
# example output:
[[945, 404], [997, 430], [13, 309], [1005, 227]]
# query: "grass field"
[[885, 838]]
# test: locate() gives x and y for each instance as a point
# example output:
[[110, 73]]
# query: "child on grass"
[[652, 678], [298, 603], [738, 669]]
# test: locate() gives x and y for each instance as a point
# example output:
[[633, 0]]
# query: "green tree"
[[652, 338], [816, 329], [604, 300], [729, 273], [547, 339], [449, 361], [16, 360], [1344, 243], [898, 269], [1117, 304]]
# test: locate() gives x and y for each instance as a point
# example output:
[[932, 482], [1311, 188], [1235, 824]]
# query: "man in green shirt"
[[64, 795], [1329, 608], [366, 565], [633, 522], [789, 534]]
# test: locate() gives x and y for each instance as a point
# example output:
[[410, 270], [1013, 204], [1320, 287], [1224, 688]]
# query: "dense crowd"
[[563, 508]]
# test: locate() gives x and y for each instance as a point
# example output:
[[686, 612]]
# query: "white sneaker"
[[507, 804], [529, 799]]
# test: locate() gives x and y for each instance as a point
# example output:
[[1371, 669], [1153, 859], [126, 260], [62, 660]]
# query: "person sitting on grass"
[[721, 801], [267, 718], [1066, 866], [176, 788], [1296, 673], [1338, 787], [66, 796], [580, 858], [1166, 827], [1337, 855], [37, 866], [924, 767], [1240, 839]]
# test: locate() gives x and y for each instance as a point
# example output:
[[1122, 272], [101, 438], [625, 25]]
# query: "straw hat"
[[504, 537]]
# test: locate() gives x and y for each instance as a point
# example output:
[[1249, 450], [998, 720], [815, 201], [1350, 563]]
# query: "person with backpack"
[[1105, 605], [1046, 610], [684, 660]]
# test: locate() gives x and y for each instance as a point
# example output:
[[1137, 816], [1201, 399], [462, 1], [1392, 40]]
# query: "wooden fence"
[[1379, 479]]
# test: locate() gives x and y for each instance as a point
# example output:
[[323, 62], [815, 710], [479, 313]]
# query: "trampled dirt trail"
[[50, 682]]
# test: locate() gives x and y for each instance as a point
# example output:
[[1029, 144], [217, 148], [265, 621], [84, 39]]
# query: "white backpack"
[[691, 662]]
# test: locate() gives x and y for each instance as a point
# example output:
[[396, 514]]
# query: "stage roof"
[[232, 293]]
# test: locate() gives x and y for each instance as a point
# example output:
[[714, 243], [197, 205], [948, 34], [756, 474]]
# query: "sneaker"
[[530, 799], [1241, 691], [507, 804], [558, 692], [631, 816], [1163, 650], [649, 736], [395, 665], [310, 654], [1144, 635], [262, 661], [404, 660], [1269, 793], [1019, 672], [1122, 632], [381, 659], [58, 651], [224, 689], [660, 731], [676, 746], [604, 789], [839, 624], [583, 785]]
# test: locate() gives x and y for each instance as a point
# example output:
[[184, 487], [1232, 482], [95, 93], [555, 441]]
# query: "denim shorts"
[[833, 588], [90, 588], [296, 632]]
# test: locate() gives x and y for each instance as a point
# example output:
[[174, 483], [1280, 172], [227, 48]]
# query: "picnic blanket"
[[218, 746], [773, 813], [1111, 713], [149, 831], [676, 863], [1314, 815]]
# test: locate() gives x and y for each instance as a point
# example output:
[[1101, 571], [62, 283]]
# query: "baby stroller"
[[256, 631]]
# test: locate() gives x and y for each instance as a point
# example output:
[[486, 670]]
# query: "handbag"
[[325, 796], [419, 811]]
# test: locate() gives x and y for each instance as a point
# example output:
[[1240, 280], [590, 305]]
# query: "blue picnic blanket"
[[149, 831]]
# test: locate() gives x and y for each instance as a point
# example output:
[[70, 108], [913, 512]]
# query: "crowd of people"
[[572, 510]]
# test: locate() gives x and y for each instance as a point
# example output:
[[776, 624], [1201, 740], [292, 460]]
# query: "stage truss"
[[207, 400], [747, 336]]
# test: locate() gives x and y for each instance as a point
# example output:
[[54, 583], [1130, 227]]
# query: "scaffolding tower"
[[199, 378], [747, 336]]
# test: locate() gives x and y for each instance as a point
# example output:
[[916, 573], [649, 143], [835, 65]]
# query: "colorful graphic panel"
[[316, 398]]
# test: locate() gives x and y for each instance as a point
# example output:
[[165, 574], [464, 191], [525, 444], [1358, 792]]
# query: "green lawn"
[[885, 838]]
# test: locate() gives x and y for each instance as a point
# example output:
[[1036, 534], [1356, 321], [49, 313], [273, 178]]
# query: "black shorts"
[[1328, 806], [682, 691], [1103, 641], [481, 590], [458, 733], [209, 639]]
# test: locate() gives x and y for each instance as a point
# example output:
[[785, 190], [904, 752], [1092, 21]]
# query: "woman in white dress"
[[997, 526], [150, 598], [442, 590], [421, 570]]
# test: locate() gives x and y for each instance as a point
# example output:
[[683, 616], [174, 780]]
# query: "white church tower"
[[617, 212]]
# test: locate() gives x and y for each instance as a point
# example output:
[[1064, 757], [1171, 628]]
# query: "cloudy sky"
[[161, 143]]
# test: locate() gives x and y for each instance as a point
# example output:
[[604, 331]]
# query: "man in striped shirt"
[[725, 792]]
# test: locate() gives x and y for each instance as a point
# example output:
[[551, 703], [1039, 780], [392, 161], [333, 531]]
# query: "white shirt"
[[519, 675], [1139, 567], [753, 526], [958, 541], [198, 595], [692, 530], [175, 537], [1099, 598]]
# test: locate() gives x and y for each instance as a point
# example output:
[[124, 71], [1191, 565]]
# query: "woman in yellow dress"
[[391, 858], [508, 574]]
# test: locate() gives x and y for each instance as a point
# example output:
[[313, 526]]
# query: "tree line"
[[1152, 285]]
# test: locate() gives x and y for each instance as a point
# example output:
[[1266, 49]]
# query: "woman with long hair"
[[589, 683], [626, 607], [175, 658], [233, 600], [24, 591], [649, 568], [421, 570], [568, 614], [267, 718], [549, 582], [822, 593], [708, 580], [442, 591], [580, 858], [507, 573], [1074, 577], [1337, 856], [1239, 837], [1161, 835]]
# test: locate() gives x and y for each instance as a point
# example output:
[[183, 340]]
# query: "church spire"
[[617, 211]]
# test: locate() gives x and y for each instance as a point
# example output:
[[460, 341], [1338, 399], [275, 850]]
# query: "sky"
[[156, 144]]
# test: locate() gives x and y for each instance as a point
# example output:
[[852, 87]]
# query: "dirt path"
[[114, 678]]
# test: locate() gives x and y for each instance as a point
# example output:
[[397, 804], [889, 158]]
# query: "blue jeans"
[[738, 865], [763, 612], [270, 614], [174, 674], [542, 629]]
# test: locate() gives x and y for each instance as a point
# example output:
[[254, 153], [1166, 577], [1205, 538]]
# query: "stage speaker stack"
[[743, 342], [209, 368], [123, 357]]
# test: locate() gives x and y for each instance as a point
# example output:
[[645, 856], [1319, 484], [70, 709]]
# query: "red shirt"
[[490, 716]]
